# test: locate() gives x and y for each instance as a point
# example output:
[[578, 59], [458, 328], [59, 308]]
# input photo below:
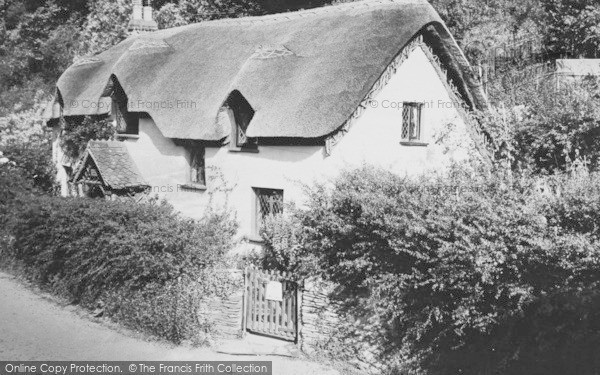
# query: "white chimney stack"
[[148, 12], [137, 10], [141, 19]]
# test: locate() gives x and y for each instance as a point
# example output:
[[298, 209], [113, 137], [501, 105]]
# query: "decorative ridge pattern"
[[270, 52], [145, 43], [86, 60]]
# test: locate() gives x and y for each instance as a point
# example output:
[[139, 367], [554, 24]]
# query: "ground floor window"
[[266, 202]]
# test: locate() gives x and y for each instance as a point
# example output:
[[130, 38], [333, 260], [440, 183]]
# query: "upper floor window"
[[267, 202], [241, 113], [127, 123], [411, 122], [197, 167]]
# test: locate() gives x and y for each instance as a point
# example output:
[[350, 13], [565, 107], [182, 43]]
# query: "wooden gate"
[[271, 304]]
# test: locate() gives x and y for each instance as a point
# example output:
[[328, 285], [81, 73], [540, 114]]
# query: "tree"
[[572, 27], [105, 25]]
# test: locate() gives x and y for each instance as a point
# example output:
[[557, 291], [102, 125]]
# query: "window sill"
[[192, 186], [254, 238], [242, 149], [128, 136], [414, 143]]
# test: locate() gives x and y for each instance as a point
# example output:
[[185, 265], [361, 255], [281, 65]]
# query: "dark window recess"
[[197, 167], [127, 123], [243, 114], [411, 122], [268, 202]]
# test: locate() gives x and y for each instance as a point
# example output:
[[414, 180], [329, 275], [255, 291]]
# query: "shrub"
[[125, 254], [26, 142], [453, 271], [78, 131]]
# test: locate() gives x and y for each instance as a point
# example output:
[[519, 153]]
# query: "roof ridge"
[[285, 16]]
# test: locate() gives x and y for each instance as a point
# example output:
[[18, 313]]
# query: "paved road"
[[33, 327]]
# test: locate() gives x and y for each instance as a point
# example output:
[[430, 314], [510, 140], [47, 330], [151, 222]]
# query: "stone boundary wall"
[[226, 314], [324, 330]]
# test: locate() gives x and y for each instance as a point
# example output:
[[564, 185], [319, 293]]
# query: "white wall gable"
[[375, 137]]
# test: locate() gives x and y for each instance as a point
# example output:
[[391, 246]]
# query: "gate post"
[[299, 297], [245, 303]]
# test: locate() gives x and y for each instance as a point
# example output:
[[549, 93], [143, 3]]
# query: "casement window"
[[241, 113], [411, 122], [127, 123], [197, 174], [267, 202]]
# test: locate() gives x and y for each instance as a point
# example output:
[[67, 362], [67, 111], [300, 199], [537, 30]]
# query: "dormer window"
[[240, 113], [127, 123]]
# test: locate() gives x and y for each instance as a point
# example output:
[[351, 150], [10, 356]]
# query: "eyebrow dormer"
[[240, 115], [127, 123]]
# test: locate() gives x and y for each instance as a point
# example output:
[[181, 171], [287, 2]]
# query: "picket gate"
[[267, 316]]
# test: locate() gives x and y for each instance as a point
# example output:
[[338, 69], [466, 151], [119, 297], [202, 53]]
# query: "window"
[[127, 123], [242, 113], [411, 122], [267, 202], [197, 167]]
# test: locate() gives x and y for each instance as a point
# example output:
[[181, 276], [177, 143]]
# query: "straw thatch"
[[304, 73]]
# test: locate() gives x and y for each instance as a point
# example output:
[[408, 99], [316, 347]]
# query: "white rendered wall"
[[373, 139]]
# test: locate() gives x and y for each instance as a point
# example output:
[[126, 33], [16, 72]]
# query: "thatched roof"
[[304, 73], [116, 167]]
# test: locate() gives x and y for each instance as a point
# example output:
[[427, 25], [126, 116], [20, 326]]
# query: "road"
[[35, 327]]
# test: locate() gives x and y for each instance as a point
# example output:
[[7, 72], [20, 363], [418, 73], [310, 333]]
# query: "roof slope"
[[304, 73], [116, 167]]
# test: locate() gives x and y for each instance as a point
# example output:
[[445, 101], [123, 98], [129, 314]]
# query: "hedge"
[[464, 273], [97, 251]]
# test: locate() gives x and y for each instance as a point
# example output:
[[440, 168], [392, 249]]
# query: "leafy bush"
[[454, 271], [78, 131], [125, 254], [26, 142]]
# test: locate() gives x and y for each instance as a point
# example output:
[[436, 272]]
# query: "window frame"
[[240, 115], [197, 172], [416, 112], [258, 216], [131, 120], [196, 166]]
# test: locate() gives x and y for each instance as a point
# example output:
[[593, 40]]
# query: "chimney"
[[148, 12], [141, 20], [137, 10]]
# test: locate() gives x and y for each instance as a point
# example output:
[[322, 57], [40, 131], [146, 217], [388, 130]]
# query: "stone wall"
[[226, 313], [326, 330]]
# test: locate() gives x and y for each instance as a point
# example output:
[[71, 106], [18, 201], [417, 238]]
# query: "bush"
[[78, 131], [26, 142], [118, 252], [455, 271]]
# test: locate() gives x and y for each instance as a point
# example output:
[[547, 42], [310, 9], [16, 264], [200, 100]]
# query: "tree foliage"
[[78, 131], [572, 27]]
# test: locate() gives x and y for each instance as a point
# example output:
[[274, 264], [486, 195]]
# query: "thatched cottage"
[[251, 108]]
